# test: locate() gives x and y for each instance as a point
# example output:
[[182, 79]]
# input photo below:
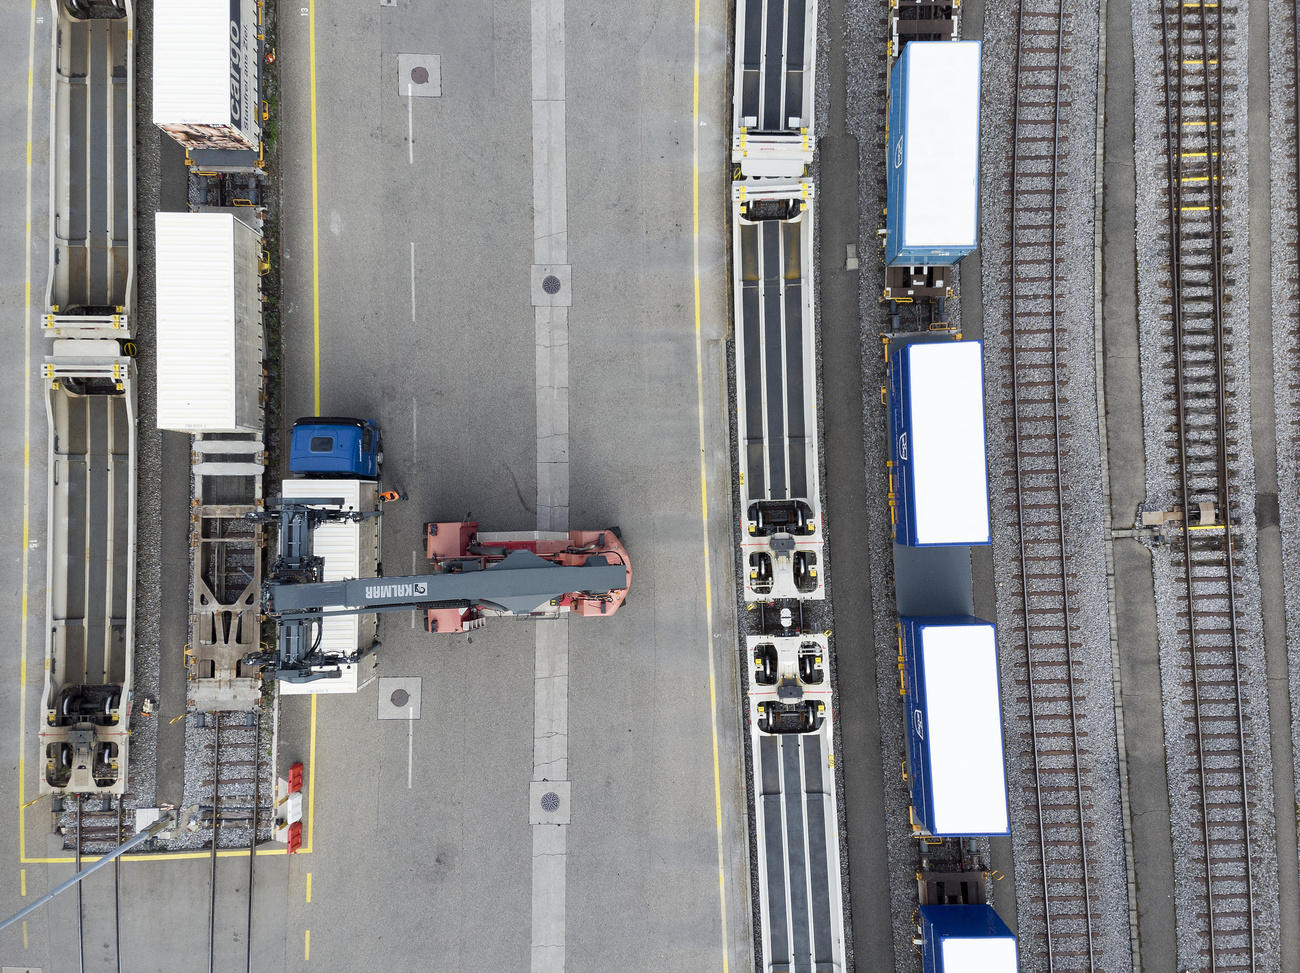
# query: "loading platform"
[[772, 105], [776, 391], [92, 178], [791, 732], [90, 584]]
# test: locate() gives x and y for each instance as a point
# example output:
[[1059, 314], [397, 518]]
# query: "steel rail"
[[1214, 147], [81, 926], [1062, 555], [117, 888], [216, 824], [1214, 140], [252, 844]]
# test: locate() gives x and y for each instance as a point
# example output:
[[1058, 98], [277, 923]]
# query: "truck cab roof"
[[328, 446]]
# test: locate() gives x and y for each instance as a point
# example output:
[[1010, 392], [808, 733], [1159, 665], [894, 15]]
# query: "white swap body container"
[[206, 82], [350, 550], [966, 939], [936, 413], [954, 726], [209, 323], [932, 173]]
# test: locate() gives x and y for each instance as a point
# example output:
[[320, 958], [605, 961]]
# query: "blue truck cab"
[[333, 446]]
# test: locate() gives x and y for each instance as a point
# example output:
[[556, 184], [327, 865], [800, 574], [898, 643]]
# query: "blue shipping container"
[[966, 939], [936, 417], [933, 154], [954, 726]]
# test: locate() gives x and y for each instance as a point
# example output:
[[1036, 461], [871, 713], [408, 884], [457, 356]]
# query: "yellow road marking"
[[22, 881], [315, 228], [309, 888], [311, 780], [27, 455], [306, 945], [704, 488]]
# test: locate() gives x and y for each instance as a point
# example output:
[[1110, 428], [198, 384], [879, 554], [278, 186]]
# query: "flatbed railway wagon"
[[966, 939], [938, 470], [796, 824], [932, 167], [91, 287], [772, 104], [776, 391], [210, 384], [954, 727], [90, 581]]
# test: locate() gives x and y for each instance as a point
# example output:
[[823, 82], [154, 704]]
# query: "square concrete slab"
[[548, 802], [550, 285], [419, 75], [399, 697]]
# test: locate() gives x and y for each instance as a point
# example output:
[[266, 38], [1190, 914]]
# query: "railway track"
[[99, 830], [1055, 757], [1210, 622], [236, 808]]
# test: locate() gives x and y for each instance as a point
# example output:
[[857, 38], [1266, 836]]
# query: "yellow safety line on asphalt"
[[311, 780], [22, 882], [306, 945], [27, 457], [315, 229], [309, 888], [704, 488]]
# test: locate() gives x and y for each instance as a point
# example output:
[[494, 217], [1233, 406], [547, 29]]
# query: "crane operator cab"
[[329, 446]]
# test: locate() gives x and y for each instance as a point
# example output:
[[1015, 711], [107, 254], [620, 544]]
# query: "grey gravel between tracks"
[[1286, 338], [1157, 380], [1084, 530]]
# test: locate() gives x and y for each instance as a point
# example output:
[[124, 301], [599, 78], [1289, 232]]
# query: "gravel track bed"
[[1162, 469], [142, 774], [1081, 479], [1286, 337], [866, 32], [236, 748]]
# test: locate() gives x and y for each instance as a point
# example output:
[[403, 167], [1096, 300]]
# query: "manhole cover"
[[400, 697], [420, 74], [551, 284], [550, 802]]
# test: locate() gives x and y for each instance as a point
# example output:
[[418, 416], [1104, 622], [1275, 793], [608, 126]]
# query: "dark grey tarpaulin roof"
[[520, 583]]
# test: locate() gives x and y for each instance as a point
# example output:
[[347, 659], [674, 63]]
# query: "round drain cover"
[[550, 802], [420, 75], [551, 284], [400, 697]]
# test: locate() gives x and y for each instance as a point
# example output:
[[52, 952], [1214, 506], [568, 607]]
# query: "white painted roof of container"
[[949, 475], [987, 954], [941, 143], [191, 62], [196, 340], [963, 728], [340, 547]]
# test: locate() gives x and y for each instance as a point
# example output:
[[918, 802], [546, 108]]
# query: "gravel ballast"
[[1163, 490]]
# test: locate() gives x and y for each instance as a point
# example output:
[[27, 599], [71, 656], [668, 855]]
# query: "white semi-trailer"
[[349, 549], [209, 331], [206, 73]]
